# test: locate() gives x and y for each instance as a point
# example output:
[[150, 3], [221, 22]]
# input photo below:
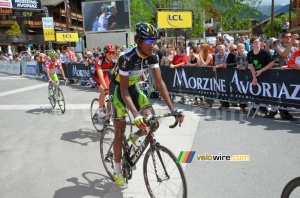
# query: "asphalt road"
[[46, 154]]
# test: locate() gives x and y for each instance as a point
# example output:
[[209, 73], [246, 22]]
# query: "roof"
[[51, 2], [267, 20]]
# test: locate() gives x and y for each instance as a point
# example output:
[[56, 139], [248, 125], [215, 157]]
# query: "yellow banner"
[[167, 19], [66, 36], [49, 35]]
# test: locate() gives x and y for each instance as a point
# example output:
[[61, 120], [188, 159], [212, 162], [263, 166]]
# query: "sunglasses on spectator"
[[149, 41], [287, 36], [234, 50]]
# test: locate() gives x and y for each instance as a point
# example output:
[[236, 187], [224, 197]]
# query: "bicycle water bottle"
[[134, 137]]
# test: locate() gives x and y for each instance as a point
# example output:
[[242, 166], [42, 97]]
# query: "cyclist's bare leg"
[[101, 96], [120, 126]]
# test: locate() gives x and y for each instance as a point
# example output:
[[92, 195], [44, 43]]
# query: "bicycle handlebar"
[[153, 117]]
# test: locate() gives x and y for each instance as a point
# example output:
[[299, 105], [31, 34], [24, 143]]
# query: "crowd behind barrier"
[[275, 86]]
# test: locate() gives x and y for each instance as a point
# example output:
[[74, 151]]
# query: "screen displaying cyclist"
[[125, 90], [51, 66], [99, 75]]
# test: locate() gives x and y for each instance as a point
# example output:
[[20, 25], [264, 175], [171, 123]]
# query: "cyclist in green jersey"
[[126, 93]]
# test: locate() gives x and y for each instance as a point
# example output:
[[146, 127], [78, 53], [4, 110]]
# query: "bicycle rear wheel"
[[52, 99], [168, 180], [292, 189], [107, 150], [61, 100]]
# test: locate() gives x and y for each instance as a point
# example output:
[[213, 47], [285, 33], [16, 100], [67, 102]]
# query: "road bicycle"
[[162, 175], [100, 124], [57, 96], [292, 189]]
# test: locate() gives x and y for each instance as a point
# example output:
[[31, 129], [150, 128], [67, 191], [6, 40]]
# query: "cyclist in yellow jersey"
[[126, 73]]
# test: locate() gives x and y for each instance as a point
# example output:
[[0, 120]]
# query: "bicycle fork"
[[155, 149]]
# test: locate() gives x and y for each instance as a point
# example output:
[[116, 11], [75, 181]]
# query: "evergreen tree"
[[14, 30]]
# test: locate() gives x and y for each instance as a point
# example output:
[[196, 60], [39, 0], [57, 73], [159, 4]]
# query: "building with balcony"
[[295, 25], [67, 16]]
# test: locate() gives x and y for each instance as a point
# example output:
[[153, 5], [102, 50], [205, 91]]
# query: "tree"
[[236, 14], [276, 25], [141, 12], [14, 30]]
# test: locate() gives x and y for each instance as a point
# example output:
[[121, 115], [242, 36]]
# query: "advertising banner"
[[5, 4], [170, 19], [31, 70], [48, 28], [76, 71], [27, 4], [66, 36], [274, 86]]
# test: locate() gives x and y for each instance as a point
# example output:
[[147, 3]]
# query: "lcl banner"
[[48, 29], [27, 4], [274, 86], [66, 36], [169, 19]]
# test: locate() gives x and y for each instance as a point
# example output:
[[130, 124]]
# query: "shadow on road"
[[82, 136], [95, 184], [42, 110], [235, 114]]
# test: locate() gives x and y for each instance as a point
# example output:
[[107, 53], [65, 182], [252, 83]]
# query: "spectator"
[[71, 55], [103, 20], [247, 46], [66, 58], [268, 46], [241, 57], [166, 61], [60, 56], [220, 41], [230, 63], [193, 59], [114, 19], [179, 60], [96, 52], [285, 52], [285, 26], [296, 44], [259, 60], [118, 51], [95, 23]]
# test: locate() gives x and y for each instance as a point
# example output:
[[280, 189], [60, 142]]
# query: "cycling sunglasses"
[[149, 41]]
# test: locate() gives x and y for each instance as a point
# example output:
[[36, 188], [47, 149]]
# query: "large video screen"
[[103, 16]]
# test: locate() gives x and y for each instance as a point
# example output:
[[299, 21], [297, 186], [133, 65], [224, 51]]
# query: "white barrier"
[[10, 67]]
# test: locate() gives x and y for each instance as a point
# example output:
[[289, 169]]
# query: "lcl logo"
[[67, 36], [49, 33], [175, 20], [174, 17]]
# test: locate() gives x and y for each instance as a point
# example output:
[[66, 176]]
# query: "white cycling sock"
[[118, 168]]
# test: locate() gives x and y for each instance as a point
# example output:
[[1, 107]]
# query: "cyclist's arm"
[[101, 78], [161, 87], [124, 83], [48, 74]]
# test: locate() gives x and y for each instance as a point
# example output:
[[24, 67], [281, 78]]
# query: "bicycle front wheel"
[[107, 150], [94, 115], [61, 101], [52, 99], [163, 176], [292, 189]]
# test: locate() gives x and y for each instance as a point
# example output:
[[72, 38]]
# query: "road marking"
[[12, 78], [6, 93], [42, 106]]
